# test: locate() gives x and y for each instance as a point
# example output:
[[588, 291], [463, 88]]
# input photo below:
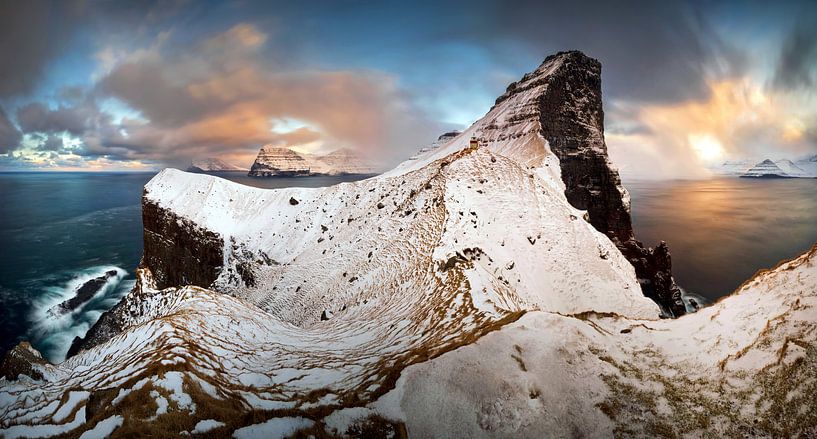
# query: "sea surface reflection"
[[721, 231]]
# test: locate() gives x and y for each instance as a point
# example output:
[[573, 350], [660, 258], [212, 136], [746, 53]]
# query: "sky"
[[99, 86]]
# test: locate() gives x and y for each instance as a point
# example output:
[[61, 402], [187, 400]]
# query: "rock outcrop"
[[22, 359], [572, 120], [279, 162], [83, 294]]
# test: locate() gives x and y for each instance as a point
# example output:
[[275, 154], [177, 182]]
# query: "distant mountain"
[[808, 165], [733, 167], [790, 168], [274, 161], [782, 168], [765, 169], [212, 164]]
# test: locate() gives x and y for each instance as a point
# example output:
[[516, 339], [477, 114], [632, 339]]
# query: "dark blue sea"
[[58, 230]]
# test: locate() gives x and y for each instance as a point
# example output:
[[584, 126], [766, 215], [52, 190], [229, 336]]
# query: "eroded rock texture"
[[572, 120]]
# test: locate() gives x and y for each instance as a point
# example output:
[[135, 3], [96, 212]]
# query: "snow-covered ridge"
[[465, 297]]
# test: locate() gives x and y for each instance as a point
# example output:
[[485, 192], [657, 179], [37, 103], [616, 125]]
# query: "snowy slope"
[[465, 297], [790, 168], [808, 165]]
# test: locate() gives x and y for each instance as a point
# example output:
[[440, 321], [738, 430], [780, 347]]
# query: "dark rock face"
[[83, 295], [177, 251], [572, 120], [21, 360]]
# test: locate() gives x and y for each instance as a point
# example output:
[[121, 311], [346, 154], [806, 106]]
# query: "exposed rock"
[[572, 120], [98, 401], [22, 360], [178, 251], [276, 161], [293, 201]]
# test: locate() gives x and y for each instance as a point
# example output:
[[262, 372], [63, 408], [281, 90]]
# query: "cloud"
[[31, 34], [797, 66], [36, 117], [221, 97], [9, 135], [740, 119], [651, 51]]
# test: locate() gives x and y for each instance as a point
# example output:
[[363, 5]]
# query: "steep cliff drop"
[[572, 120]]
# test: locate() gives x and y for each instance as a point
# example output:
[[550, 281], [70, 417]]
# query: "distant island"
[[767, 168], [212, 164], [276, 161]]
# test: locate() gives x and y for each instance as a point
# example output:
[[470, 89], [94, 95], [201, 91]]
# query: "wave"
[[693, 302], [52, 333]]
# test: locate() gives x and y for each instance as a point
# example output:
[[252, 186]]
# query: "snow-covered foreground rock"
[[459, 295]]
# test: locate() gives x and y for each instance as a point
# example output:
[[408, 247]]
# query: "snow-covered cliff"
[[462, 294]]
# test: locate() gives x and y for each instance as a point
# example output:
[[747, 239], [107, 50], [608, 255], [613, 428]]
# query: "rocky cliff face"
[[275, 161], [572, 121], [176, 251]]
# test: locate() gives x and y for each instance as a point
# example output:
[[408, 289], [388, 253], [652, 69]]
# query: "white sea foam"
[[52, 334]]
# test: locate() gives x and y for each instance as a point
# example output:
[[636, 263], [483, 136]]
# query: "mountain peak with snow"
[[765, 169]]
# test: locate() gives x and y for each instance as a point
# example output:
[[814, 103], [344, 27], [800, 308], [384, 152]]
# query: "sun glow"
[[706, 146]]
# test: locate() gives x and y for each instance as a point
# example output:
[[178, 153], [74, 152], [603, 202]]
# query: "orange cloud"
[[740, 119], [223, 100]]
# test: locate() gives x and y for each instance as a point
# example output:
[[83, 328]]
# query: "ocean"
[[58, 230], [721, 231]]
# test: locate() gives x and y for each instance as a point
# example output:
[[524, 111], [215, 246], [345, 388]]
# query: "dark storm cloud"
[[9, 135], [651, 51], [145, 86], [797, 67], [36, 117], [51, 143], [32, 33]]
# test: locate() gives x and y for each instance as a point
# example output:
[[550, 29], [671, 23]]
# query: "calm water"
[[721, 231], [58, 230]]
